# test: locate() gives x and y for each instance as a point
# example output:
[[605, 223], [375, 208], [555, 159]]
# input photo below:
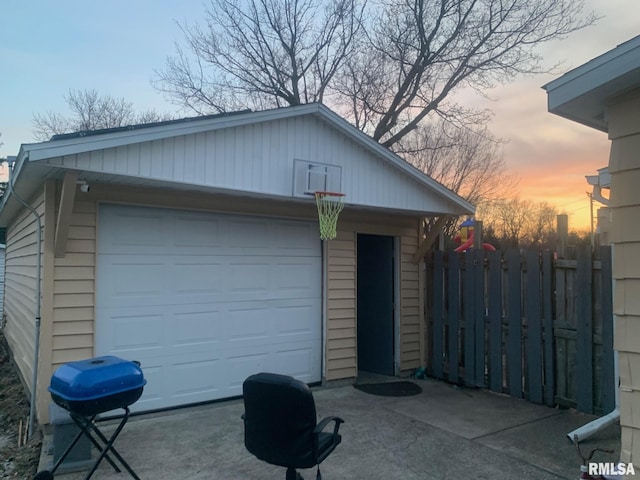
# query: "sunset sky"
[[47, 48]]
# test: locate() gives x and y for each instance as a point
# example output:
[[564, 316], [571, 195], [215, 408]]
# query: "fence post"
[[477, 235], [563, 234]]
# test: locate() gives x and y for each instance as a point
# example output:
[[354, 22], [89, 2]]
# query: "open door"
[[375, 268]]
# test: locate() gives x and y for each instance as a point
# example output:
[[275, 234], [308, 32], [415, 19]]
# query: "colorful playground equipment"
[[465, 238]]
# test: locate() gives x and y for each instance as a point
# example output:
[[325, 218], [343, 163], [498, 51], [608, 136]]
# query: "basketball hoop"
[[330, 204]]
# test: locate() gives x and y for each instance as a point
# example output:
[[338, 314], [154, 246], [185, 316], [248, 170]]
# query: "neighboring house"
[[600, 182], [193, 247], [605, 94]]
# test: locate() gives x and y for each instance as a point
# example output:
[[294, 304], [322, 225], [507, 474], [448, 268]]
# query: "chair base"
[[292, 474]]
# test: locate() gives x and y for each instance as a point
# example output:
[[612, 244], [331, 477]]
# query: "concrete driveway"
[[443, 433]]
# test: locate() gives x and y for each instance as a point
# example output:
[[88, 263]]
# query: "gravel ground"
[[15, 461]]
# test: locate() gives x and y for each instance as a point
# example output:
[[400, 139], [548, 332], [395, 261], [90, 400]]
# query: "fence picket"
[[584, 332], [480, 322], [495, 321], [469, 319], [534, 328], [514, 322], [547, 290], [453, 316]]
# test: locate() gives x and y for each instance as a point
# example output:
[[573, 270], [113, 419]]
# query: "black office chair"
[[280, 424]]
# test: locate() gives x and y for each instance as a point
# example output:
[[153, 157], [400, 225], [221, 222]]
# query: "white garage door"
[[204, 300]]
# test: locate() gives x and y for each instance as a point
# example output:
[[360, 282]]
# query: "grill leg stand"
[[85, 429], [69, 448], [87, 426]]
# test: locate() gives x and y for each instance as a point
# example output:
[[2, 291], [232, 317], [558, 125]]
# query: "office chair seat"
[[280, 423]]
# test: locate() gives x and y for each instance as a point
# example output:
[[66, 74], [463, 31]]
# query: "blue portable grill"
[[88, 388]]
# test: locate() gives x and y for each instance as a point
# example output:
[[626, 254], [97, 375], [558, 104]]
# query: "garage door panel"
[[251, 234], [248, 277], [200, 328], [290, 321], [246, 324], [301, 238], [219, 298], [292, 278], [132, 333], [294, 361], [195, 377], [132, 283], [132, 230], [201, 278], [197, 231]]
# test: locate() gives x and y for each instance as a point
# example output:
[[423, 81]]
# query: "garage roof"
[[50, 156]]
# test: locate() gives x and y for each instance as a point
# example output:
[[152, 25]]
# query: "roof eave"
[[581, 95]]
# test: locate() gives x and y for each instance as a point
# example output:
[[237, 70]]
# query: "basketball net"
[[330, 205]]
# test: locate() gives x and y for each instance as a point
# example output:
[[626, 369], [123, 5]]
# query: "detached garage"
[[192, 246]]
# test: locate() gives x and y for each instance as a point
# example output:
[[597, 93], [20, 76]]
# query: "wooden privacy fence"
[[525, 324]]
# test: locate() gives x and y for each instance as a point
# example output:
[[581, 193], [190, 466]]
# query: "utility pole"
[[593, 238]]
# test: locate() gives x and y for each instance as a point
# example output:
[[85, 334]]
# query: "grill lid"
[[96, 378]]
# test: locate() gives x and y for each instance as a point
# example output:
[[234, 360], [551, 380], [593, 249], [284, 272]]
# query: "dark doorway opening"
[[375, 268]]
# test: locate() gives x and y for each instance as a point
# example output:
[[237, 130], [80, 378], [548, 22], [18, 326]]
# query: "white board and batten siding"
[[259, 158], [20, 287], [203, 300]]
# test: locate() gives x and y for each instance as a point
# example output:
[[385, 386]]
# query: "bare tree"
[[468, 160], [91, 111], [520, 223], [261, 53], [421, 52], [387, 65]]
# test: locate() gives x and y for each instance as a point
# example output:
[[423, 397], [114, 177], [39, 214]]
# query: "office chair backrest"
[[280, 416]]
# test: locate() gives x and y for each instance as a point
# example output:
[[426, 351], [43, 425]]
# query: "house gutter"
[[36, 335]]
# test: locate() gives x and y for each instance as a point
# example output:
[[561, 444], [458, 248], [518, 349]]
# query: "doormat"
[[390, 389]]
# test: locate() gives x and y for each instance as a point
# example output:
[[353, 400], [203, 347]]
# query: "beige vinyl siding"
[[624, 166], [341, 307], [20, 287], [74, 288], [411, 320]]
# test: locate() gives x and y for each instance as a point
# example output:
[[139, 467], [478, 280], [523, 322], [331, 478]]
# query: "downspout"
[[36, 339], [325, 294]]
